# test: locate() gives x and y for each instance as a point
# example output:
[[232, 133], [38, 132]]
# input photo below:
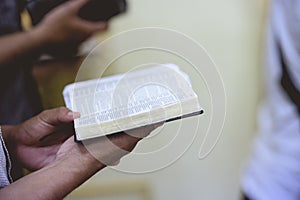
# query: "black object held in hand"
[[94, 10], [102, 10]]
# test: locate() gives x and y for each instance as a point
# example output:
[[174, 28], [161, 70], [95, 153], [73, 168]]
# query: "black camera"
[[93, 10]]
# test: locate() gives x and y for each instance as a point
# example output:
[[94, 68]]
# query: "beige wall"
[[231, 32]]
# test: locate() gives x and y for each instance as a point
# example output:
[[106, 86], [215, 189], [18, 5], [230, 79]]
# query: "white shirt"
[[273, 170], [5, 164]]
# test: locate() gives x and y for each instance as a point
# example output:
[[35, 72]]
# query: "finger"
[[55, 138], [115, 163], [58, 116], [143, 132], [75, 5], [92, 27], [155, 126], [47, 123]]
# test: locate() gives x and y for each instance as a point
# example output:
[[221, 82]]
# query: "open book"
[[127, 101]]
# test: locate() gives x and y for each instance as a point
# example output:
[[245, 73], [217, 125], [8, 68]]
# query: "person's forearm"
[[20, 46], [54, 181]]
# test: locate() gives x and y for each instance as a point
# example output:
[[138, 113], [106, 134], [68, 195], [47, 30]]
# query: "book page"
[[128, 95]]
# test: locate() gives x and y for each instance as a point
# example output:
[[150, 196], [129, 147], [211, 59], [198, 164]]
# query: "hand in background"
[[63, 30]]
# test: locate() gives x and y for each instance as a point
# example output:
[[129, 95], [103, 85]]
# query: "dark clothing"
[[9, 16], [244, 197], [19, 98]]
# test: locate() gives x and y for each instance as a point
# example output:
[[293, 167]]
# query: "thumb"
[[92, 27], [45, 123], [58, 116]]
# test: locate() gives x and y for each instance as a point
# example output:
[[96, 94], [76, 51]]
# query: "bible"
[[131, 100]]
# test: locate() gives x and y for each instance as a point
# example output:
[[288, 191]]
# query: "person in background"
[[60, 29], [45, 145], [273, 170]]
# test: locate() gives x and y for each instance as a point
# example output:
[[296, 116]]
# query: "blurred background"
[[232, 32]]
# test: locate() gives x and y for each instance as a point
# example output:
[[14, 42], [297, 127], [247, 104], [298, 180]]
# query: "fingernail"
[[102, 25], [115, 163], [75, 115]]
